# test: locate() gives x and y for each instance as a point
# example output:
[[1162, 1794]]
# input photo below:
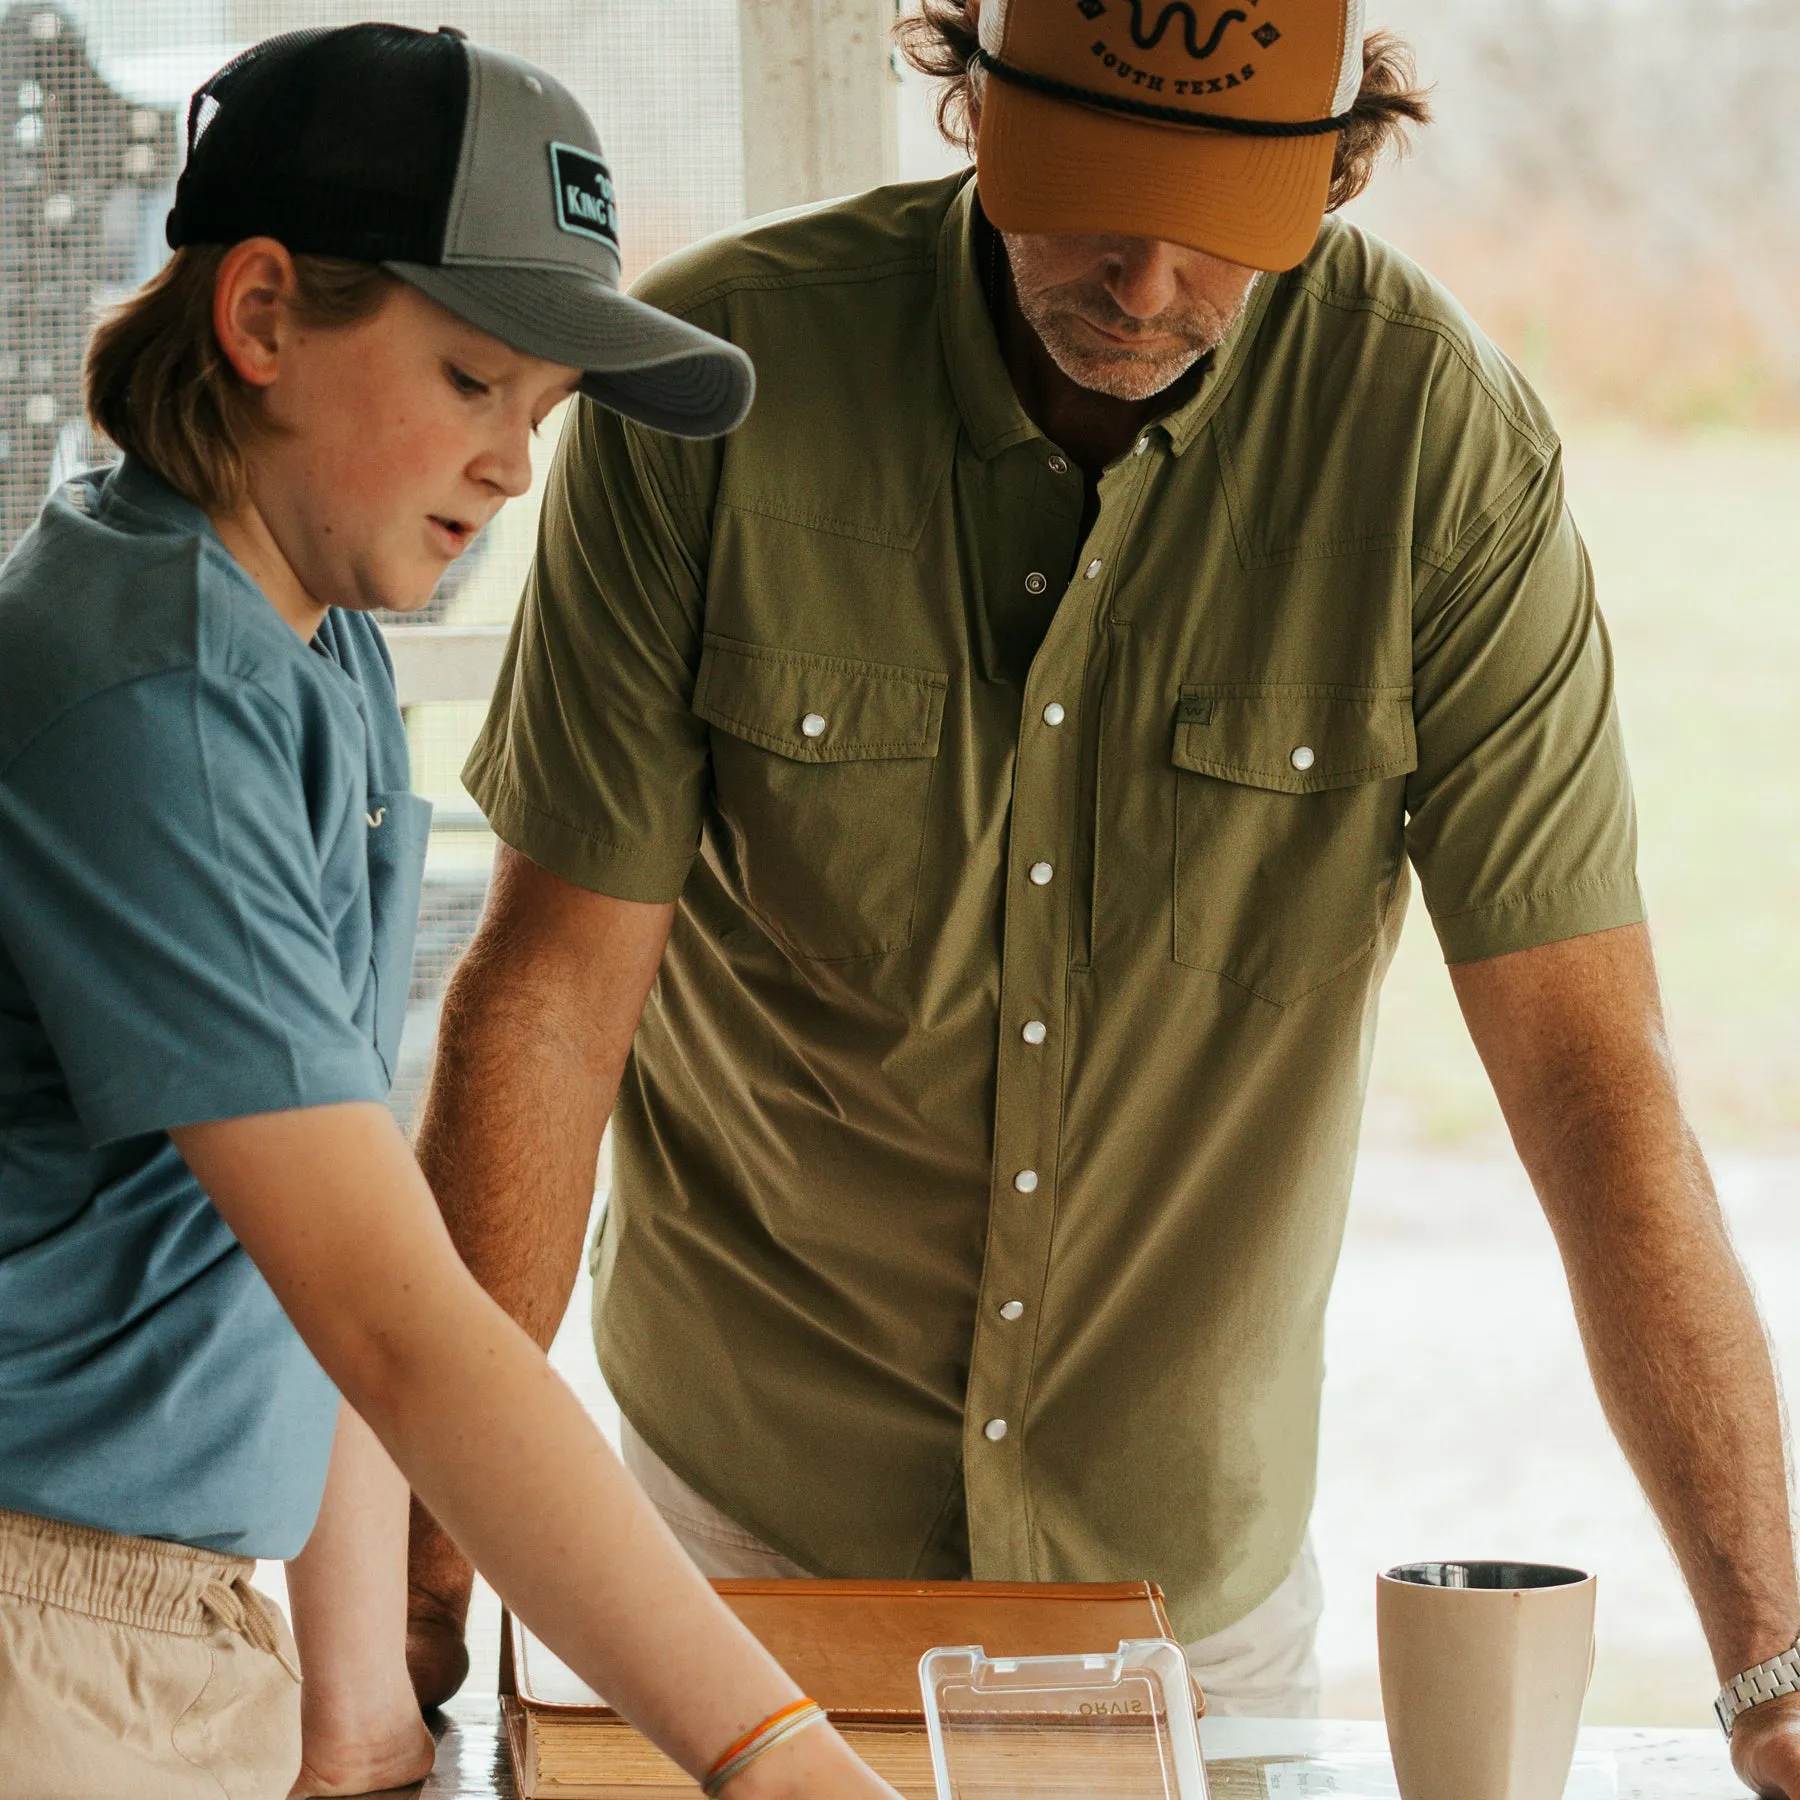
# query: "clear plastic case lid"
[[1116, 1725]]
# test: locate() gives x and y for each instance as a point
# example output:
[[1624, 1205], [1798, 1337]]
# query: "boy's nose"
[[507, 466]]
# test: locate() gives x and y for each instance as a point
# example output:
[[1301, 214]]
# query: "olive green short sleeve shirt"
[[982, 1161]]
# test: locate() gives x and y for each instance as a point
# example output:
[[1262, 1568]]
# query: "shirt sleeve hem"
[[572, 852], [197, 1100], [1529, 921]]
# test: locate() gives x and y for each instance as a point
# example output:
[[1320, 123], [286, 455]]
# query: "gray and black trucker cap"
[[472, 175]]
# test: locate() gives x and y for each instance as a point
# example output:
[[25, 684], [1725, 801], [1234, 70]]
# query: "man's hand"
[[1765, 1748], [1572, 1036], [537, 1023], [439, 1583]]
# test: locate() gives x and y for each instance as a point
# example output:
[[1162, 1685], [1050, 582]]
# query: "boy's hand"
[[439, 1582], [360, 1730], [392, 1764]]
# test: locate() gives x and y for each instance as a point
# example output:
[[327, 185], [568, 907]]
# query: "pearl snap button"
[[1054, 714], [1140, 446], [1092, 569], [1302, 757], [813, 725], [1035, 583], [1026, 1181], [1059, 465], [994, 1430], [1035, 1031], [1013, 1309], [1041, 874]]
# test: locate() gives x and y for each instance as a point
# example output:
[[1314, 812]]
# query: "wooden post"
[[820, 99]]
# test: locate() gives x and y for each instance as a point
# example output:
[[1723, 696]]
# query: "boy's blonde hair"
[[161, 388]]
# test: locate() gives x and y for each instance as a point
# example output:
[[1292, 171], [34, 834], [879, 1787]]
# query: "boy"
[[396, 253]]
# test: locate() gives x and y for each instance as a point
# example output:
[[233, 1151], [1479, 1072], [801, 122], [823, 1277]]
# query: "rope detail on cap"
[[1053, 89]]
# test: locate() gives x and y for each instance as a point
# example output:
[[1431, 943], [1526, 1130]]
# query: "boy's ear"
[[256, 281]]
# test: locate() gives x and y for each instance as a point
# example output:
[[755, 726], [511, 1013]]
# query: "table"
[[1652, 1763]]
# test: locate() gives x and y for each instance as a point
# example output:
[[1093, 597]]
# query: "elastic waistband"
[[129, 1580]]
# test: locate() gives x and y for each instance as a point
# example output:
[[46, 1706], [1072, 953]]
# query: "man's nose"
[[1143, 276]]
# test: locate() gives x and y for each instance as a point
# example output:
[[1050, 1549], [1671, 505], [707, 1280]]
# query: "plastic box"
[[1114, 1725]]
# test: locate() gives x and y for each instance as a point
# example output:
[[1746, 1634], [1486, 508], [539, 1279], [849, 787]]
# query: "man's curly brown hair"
[[939, 40]]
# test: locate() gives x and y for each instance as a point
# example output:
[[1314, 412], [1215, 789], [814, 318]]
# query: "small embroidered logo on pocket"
[[1195, 710], [376, 817]]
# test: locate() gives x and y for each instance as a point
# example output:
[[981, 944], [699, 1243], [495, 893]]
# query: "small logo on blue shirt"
[[585, 203]]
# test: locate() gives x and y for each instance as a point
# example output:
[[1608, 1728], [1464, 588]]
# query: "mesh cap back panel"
[[341, 144]]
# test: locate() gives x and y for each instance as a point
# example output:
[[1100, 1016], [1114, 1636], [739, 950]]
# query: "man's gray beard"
[[1125, 374]]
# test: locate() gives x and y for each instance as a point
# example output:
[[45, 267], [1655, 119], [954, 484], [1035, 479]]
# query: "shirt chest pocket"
[[1289, 828], [822, 769]]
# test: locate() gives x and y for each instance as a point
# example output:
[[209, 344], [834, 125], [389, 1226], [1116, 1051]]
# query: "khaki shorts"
[[1264, 1666], [137, 1670]]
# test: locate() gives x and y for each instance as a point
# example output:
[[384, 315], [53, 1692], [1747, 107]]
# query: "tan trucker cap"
[[1189, 121]]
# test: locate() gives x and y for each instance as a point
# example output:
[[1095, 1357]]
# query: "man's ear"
[[255, 284]]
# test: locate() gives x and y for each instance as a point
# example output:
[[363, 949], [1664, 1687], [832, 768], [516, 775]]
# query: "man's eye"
[[463, 382]]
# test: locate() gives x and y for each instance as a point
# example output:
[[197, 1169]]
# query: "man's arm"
[[537, 1023], [1573, 1039]]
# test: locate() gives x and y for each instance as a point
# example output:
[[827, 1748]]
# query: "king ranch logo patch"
[[585, 203], [1212, 46]]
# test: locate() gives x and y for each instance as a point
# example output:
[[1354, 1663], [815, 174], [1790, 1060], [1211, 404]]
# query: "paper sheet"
[[1355, 1775]]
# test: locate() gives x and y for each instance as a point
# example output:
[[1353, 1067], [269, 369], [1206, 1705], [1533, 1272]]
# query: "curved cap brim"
[[644, 363], [1049, 166]]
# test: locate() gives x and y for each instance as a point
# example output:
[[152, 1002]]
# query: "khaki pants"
[[138, 1670], [1264, 1666]]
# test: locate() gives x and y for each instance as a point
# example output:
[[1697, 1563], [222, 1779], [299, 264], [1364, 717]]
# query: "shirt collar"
[[984, 391], [985, 395], [136, 487]]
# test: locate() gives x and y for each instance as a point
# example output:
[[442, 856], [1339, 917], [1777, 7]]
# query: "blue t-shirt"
[[209, 884]]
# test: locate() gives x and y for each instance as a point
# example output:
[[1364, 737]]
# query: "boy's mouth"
[[456, 533]]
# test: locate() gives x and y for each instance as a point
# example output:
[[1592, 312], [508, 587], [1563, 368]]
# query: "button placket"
[[1028, 1096]]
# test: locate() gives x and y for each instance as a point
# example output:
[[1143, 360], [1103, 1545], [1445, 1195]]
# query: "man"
[[999, 763]]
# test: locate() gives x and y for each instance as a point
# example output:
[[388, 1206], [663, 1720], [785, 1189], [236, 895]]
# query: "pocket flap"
[[819, 709], [1295, 738]]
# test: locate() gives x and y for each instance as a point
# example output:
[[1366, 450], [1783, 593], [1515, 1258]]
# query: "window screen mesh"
[[92, 97]]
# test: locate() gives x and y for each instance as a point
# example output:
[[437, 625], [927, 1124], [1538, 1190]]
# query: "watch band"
[[1767, 1681]]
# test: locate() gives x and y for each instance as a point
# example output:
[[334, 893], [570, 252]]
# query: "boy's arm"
[[360, 1726], [333, 1210]]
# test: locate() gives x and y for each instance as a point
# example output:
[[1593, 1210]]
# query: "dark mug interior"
[[1503, 1575]]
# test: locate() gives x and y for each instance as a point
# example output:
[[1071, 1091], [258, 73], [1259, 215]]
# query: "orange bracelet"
[[775, 1729]]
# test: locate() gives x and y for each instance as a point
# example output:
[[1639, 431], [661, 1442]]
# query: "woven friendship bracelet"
[[777, 1728]]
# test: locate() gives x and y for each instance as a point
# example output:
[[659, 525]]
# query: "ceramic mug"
[[1484, 1666]]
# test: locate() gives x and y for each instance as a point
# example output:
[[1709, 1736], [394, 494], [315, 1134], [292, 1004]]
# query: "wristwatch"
[[1767, 1681]]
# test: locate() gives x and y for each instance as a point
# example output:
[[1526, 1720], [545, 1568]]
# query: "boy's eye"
[[463, 382]]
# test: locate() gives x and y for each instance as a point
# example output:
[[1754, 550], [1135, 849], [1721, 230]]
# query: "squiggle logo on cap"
[[1190, 27]]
